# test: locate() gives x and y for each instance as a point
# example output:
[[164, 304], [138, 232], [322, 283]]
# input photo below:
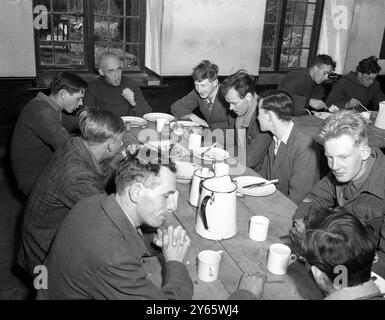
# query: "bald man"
[[114, 93]]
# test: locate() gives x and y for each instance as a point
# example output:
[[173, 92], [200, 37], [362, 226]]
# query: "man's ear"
[[215, 82], [101, 72], [365, 152], [135, 192], [249, 96], [63, 93]]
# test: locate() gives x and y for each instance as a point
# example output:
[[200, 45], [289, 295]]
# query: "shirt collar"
[[50, 101], [361, 291], [286, 136], [212, 97]]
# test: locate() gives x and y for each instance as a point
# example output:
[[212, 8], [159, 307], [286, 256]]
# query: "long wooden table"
[[241, 254]]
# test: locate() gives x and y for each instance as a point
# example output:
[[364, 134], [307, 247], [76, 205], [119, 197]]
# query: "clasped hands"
[[174, 242], [129, 95]]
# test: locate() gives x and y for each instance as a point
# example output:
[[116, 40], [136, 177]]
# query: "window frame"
[[89, 43], [316, 28]]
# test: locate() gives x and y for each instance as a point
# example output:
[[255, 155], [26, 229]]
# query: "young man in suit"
[[206, 96], [293, 157]]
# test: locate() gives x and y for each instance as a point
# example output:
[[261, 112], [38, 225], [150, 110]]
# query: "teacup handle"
[[211, 271], [292, 258]]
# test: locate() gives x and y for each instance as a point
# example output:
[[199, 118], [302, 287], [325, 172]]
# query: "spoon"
[[209, 148], [260, 184]]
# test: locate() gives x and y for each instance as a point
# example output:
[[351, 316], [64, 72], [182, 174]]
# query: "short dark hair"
[[131, 170], [68, 81], [368, 65], [278, 101], [241, 81], [340, 239], [205, 70], [324, 59], [97, 126]]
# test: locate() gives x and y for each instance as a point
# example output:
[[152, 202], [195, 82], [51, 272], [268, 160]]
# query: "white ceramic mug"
[[259, 226], [208, 265], [160, 122], [221, 169], [194, 141], [280, 257]]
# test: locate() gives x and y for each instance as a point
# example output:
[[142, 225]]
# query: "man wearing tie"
[[293, 157], [207, 97]]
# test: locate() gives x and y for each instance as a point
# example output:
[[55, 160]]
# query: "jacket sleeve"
[[337, 96], [49, 128], [321, 196], [125, 279], [89, 99], [185, 105], [306, 170]]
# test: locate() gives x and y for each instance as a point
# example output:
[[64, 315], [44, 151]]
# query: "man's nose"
[[334, 164], [232, 107]]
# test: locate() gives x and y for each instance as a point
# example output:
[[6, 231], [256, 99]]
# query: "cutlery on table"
[[364, 107], [260, 184], [208, 149]]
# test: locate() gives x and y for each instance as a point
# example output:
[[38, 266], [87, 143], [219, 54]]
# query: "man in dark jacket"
[[114, 93], [305, 85], [208, 97], [75, 172], [358, 88], [39, 132]]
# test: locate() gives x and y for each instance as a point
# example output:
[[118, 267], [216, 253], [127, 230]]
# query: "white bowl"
[[185, 170]]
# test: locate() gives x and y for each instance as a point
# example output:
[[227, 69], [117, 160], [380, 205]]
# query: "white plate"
[[134, 122], [213, 154], [177, 150], [380, 282], [189, 123], [256, 191], [158, 115], [322, 115]]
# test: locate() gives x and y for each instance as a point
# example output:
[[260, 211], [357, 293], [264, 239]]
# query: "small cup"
[[365, 114], [221, 169], [280, 258], [194, 141], [259, 226], [208, 265], [160, 124]]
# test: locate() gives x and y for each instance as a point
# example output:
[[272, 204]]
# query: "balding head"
[[110, 67]]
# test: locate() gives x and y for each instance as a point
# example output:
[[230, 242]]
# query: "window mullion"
[[279, 39]]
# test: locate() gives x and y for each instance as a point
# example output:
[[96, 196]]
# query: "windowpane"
[[101, 28], [269, 34], [286, 36], [76, 28], [46, 34], [289, 12], [100, 6], [77, 54], [284, 57], [117, 7], [132, 7], [304, 57], [306, 37], [272, 10], [310, 14], [131, 57], [116, 29], [296, 37], [62, 54], [46, 54], [300, 12], [267, 58], [76, 6], [60, 27], [60, 5], [132, 30], [293, 58], [99, 50]]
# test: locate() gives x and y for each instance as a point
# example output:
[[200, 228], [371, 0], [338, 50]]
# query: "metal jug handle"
[[203, 211], [200, 186]]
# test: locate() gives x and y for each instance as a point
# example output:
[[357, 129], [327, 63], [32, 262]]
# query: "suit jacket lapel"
[[281, 154]]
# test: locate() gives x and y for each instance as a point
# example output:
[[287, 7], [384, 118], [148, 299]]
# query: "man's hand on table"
[[317, 104], [174, 243], [253, 282], [298, 231], [129, 95], [352, 103]]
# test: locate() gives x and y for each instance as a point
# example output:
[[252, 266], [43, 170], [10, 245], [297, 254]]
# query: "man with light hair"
[[356, 180], [113, 92], [76, 171]]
